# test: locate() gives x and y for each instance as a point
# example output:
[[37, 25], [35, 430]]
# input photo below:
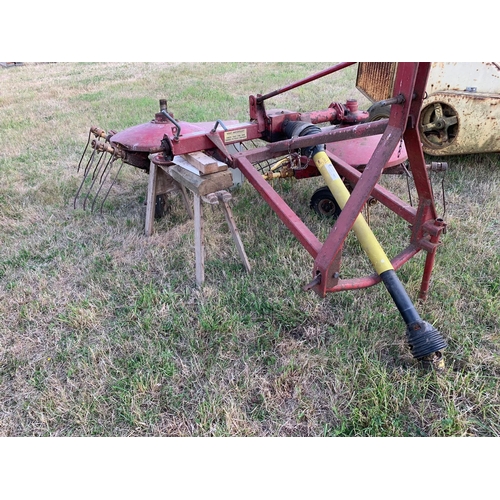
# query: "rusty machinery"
[[461, 110], [292, 144]]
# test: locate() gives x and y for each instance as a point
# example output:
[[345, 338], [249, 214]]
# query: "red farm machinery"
[[349, 151]]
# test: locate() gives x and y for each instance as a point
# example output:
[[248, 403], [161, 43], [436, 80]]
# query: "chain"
[[408, 177]]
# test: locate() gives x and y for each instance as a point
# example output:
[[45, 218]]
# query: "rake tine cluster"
[[111, 185], [98, 167]]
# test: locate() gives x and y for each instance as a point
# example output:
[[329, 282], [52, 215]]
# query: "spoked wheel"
[[324, 204], [438, 125]]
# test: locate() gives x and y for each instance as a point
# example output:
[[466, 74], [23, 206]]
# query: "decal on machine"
[[235, 135]]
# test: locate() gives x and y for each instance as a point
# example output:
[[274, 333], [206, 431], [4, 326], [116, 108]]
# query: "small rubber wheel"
[[378, 113], [161, 206], [324, 204]]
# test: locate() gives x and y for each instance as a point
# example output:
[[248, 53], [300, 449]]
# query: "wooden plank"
[[178, 187], [182, 161], [203, 163], [201, 185], [164, 182], [185, 198]]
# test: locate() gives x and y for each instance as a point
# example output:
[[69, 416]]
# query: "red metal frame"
[[170, 138], [409, 88]]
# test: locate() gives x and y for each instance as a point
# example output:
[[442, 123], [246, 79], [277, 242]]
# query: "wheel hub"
[[438, 125]]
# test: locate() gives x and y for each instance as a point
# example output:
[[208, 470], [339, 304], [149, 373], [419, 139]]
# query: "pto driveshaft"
[[424, 340]]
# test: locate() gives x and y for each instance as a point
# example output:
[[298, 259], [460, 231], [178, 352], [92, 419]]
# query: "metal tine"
[[103, 178], [112, 184], [84, 151], [98, 133], [95, 149], [95, 175], [88, 168], [85, 175], [110, 161], [98, 166]]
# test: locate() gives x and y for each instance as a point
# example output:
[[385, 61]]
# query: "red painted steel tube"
[[309, 79], [429, 264], [402, 124], [353, 207], [308, 240], [388, 199], [396, 126], [327, 135], [330, 134], [368, 281], [427, 221], [426, 210]]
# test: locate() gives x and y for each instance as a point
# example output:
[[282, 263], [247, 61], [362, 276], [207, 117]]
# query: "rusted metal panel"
[[484, 77], [461, 114], [460, 123], [375, 80]]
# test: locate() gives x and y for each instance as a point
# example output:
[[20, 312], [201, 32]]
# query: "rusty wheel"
[[438, 125], [324, 204]]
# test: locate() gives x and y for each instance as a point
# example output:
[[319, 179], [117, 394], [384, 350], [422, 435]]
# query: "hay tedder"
[[348, 151]]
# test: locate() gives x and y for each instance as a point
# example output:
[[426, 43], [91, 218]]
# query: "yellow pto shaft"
[[361, 229]]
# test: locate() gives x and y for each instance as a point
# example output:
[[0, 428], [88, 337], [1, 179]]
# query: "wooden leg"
[[198, 240], [186, 200], [235, 233], [151, 199]]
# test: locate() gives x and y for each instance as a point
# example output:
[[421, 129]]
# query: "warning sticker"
[[332, 172], [235, 135]]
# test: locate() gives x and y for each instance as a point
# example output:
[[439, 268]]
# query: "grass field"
[[103, 331]]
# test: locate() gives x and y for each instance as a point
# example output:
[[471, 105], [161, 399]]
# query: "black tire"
[[324, 204], [161, 206], [378, 113]]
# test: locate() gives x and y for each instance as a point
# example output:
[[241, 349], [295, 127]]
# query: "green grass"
[[103, 331]]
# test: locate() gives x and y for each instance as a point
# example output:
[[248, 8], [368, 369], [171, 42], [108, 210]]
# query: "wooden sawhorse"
[[209, 188]]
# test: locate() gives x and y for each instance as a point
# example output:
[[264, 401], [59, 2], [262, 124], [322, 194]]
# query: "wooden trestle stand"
[[208, 180]]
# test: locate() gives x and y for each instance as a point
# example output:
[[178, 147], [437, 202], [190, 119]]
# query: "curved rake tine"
[[98, 165], [84, 151], [105, 170], [102, 181], [88, 167], [85, 175], [112, 184], [95, 149], [95, 175]]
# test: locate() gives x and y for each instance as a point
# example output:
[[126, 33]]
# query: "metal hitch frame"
[[402, 125]]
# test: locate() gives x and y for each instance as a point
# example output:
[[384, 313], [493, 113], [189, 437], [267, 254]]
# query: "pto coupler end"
[[424, 340]]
